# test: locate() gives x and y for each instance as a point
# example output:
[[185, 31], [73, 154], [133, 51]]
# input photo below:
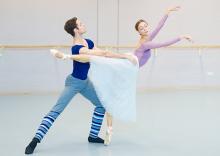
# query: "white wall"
[[108, 23], [199, 18]]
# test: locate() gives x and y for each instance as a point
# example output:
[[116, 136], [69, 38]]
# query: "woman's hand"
[[171, 9], [186, 37]]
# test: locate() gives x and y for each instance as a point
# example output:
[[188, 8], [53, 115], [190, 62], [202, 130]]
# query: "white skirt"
[[115, 83]]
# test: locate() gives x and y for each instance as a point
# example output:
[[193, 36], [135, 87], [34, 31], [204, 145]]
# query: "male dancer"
[[77, 82]]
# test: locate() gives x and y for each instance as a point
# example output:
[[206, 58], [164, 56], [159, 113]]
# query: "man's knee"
[[100, 109], [53, 114]]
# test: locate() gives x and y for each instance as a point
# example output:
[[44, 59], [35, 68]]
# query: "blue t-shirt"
[[80, 70]]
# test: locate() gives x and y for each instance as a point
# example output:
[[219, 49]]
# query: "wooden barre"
[[170, 47], [106, 46]]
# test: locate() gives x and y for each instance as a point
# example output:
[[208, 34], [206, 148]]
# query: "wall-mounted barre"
[[202, 46]]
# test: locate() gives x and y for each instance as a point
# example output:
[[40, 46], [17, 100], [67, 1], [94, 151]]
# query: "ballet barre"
[[202, 46]]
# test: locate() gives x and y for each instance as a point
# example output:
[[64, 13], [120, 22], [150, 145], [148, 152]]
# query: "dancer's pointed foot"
[[56, 53], [108, 136]]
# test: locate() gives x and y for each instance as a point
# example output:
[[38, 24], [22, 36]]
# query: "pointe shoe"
[[108, 137], [53, 52]]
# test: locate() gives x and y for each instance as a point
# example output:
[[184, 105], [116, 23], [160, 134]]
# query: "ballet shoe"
[[95, 140], [108, 136], [32, 145]]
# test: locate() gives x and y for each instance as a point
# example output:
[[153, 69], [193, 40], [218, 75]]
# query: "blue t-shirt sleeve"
[[76, 48], [90, 43]]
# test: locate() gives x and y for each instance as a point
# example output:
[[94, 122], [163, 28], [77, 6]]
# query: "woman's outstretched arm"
[[153, 34], [153, 45]]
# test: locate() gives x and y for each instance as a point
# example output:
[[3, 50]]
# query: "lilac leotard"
[[143, 53]]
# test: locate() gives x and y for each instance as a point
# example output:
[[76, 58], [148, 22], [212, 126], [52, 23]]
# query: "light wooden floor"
[[174, 123]]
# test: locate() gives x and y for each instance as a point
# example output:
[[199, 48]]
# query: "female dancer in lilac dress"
[[143, 50]]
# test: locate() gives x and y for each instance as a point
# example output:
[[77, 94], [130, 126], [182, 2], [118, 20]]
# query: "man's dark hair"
[[70, 25]]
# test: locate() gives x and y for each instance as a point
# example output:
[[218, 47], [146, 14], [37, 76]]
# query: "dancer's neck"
[[78, 39], [143, 39]]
